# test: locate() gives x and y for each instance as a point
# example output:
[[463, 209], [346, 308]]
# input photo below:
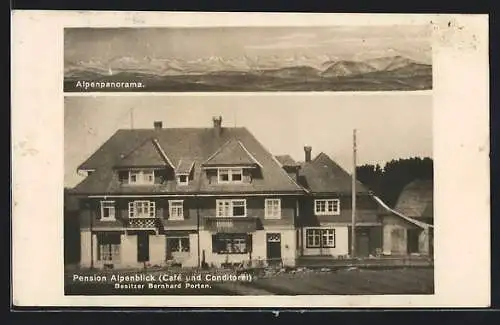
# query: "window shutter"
[[98, 211], [215, 248], [249, 243], [131, 209], [152, 209]]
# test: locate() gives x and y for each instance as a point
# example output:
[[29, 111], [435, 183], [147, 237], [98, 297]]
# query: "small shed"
[[403, 235]]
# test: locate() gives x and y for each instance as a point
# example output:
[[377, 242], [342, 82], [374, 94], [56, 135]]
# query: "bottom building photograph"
[[156, 204]]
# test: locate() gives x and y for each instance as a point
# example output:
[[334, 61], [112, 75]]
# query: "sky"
[[345, 42], [389, 125]]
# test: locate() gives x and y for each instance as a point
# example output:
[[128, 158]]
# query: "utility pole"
[[132, 118], [353, 217], [91, 217]]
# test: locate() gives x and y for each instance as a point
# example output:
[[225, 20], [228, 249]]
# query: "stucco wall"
[[157, 250], [395, 238], [85, 254], [192, 259], [424, 242], [259, 248]]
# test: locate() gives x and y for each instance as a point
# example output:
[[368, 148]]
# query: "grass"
[[355, 282]]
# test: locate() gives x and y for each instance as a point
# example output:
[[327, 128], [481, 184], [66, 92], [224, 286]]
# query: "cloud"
[[288, 41], [282, 45], [295, 37]]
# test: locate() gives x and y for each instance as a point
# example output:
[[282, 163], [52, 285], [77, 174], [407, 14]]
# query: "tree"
[[387, 183]]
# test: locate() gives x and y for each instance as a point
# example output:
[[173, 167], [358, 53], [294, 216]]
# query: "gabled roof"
[[232, 153], [184, 145], [148, 154], [323, 175], [416, 199], [184, 167], [417, 223], [287, 161]]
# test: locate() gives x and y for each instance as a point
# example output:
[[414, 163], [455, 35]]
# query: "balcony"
[[231, 224], [143, 223]]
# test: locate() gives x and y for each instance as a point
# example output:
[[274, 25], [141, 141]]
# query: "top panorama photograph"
[[248, 59]]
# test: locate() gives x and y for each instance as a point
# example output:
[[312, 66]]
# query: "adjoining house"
[[325, 220], [408, 228], [216, 196]]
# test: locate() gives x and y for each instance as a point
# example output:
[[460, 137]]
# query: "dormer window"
[[182, 179], [142, 177], [183, 170], [230, 175]]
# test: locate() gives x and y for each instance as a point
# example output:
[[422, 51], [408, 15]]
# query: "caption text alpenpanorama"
[[108, 84]]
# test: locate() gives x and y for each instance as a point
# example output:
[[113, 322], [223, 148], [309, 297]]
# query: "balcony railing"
[[231, 224], [143, 223]]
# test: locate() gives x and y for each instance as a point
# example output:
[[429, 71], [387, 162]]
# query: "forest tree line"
[[388, 181]]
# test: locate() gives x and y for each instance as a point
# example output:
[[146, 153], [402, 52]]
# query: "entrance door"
[[363, 244], [142, 247], [398, 241], [413, 235], [273, 248]]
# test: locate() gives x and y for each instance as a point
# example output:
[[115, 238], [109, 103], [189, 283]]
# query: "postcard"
[[250, 160]]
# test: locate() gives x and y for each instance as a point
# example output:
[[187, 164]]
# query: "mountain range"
[[298, 72]]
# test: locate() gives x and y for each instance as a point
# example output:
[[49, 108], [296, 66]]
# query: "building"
[[185, 196], [216, 196], [408, 228], [326, 211]]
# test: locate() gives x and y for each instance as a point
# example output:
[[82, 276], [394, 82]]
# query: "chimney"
[[307, 152], [158, 125], [217, 124]]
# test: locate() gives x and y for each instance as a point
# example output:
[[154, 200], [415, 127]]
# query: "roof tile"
[[323, 175]]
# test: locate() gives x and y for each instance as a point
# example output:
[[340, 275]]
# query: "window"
[[313, 237], [108, 246], [231, 208], [141, 209], [134, 176], [142, 177], [223, 175], [327, 207], [178, 244], [148, 176], [328, 238], [176, 210], [316, 238], [273, 208], [230, 175], [182, 179], [231, 243], [107, 210]]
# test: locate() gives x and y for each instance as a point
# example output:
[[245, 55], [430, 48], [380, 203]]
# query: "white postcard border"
[[461, 157]]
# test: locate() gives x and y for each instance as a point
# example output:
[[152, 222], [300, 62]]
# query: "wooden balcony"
[[143, 223], [231, 224]]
